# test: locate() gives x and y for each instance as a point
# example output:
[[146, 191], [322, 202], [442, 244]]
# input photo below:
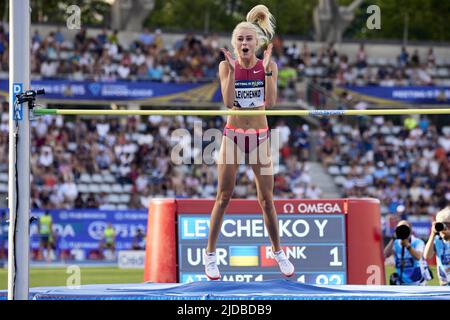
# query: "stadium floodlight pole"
[[19, 151]]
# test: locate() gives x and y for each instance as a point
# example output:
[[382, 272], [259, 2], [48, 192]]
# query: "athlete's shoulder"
[[223, 65], [224, 68]]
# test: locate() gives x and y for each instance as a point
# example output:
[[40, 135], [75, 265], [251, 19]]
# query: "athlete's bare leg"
[[227, 168], [263, 170]]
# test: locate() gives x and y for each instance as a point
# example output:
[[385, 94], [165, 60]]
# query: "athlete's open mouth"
[[245, 50]]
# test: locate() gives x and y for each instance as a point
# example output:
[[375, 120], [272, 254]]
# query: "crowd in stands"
[[132, 157], [193, 58], [362, 69], [406, 166], [104, 58]]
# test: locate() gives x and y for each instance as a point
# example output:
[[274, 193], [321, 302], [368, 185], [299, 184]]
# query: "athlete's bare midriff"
[[248, 122]]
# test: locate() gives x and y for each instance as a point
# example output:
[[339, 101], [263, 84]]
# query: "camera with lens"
[[402, 232], [439, 226]]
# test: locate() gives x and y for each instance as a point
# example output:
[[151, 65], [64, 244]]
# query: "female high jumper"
[[247, 83]]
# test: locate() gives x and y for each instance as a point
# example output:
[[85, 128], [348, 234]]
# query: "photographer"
[[439, 243], [411, 268]]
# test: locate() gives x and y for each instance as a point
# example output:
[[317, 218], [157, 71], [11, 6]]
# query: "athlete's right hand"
[[229, 58]]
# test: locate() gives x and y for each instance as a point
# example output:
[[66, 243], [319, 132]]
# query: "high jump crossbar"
[[370, 112]]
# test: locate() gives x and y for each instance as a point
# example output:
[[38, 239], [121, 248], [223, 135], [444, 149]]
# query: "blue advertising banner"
[[121, 90], [412, 94], [83, 229]]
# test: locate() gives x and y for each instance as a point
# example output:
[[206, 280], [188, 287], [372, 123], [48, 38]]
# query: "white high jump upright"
[[19, 151]]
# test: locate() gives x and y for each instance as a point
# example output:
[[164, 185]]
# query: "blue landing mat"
[[222, 290]]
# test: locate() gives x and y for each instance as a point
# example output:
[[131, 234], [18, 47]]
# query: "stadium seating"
[[120, 185]]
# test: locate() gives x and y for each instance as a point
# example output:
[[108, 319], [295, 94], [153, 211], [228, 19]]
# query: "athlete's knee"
[[266, 202], [223, 198]]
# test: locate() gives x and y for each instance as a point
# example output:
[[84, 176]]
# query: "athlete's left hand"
[[405, 242], [267, 57]]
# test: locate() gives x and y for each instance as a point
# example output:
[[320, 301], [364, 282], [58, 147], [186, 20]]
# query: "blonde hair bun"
[[261, 16]]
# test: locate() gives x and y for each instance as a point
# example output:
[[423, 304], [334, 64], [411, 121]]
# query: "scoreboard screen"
[[330, 241], [314, 243]]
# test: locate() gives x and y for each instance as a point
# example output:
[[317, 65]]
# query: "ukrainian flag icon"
[[244, 256]]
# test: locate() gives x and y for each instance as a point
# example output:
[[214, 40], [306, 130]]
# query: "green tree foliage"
[[190, 15], [427, 20], [4, 11], [292, 16]]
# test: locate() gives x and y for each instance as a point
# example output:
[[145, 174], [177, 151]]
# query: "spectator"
[[81, 39], [306, 54], [403, 58], [146, 37], [156, 72], [287, 76], [431, 58], [102, 38], [69, 191], [293, 51], [284, 131], [59, 37], [159, 42], [300, 141], [328, 152], [415, 59], [421, 77], [48, 69], [123, 71], [92, 201], [36, 37], [313, 192], [361, 57], [331, 52], [444, 142], [410, 123]]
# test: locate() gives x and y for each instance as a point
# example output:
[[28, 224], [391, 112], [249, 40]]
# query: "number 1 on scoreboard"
[[335, 262]]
